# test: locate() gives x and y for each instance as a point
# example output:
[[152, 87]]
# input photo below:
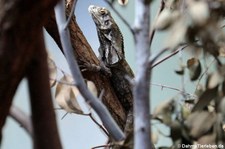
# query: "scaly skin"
[[112, 54]]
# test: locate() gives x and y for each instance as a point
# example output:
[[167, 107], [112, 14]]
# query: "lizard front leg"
[[85, 66]]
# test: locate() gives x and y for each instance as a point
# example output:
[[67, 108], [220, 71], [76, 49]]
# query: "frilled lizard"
[[112, 60], [112, 57]]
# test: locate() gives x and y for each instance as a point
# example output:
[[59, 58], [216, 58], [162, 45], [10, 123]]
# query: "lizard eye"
[[107, 22], [102, 11]]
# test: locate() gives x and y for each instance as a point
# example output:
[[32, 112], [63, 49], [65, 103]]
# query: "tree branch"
[[17, 41], [43, 116], [142, 137], [166, 57], [71, 14], [99, 125], [22, 118], [173, 88], [100, 109], [84, 54]]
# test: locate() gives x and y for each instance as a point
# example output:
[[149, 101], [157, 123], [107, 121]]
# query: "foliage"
[[199, 119], [195, 118]]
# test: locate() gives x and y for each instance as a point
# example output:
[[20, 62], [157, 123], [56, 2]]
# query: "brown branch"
[[84, 54], [109, 123], [20, 23], [12, 62], [43, 116], [99, 125], [166, 57]]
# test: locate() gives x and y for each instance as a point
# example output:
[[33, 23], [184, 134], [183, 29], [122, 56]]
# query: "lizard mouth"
[[92, 10]]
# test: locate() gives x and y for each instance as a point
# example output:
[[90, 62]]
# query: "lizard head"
[[111, 40], [101, 17]]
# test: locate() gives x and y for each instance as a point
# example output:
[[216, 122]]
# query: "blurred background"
[[79, 132]]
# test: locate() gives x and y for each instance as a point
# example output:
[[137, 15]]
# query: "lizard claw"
[[105, 69], [95, 68], [89, 67]]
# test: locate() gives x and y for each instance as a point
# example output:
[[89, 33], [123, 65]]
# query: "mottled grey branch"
[[100, 109], [22, 118], [142, 131]]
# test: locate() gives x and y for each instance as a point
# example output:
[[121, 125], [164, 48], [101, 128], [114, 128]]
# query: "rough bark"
[[85, 54], [43, 116], [21, 49]]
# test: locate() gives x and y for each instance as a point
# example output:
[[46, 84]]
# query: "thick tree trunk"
[[43, 116], [22, 52]]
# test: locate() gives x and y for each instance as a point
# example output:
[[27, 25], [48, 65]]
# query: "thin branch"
[[100, 109], [99, 125], [166, 57], [64, 115], [102, 146], [120, 16], [172, 88], [106, 146], [152, 33], [156, 56], [183, 6], [63, 82], [182, 76], [22, 118], [101, 95]]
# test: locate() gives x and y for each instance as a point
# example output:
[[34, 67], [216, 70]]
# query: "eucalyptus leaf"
[[194, 68], [66, 95], [164, 111], [200, 123], [175, 130], [205, 99], [52, 72]]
